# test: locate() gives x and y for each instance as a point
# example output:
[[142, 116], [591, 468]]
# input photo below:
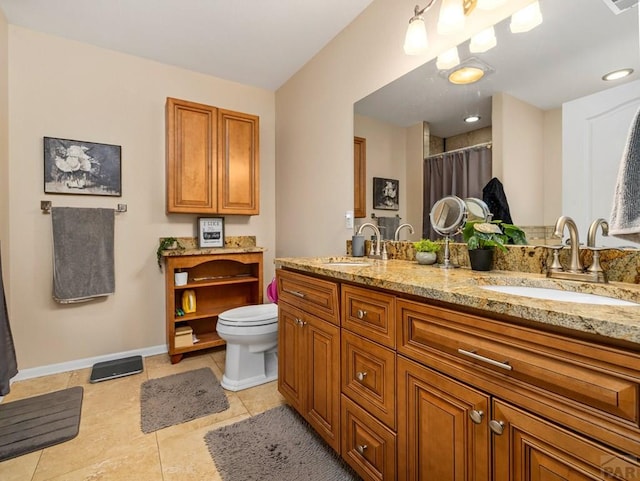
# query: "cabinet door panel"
[[530, 448], [436, 437], [291, 356], [238, 165], [323, 382], [191, 157]]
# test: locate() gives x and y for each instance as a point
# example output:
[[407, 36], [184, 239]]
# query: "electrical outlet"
[[348, 219]]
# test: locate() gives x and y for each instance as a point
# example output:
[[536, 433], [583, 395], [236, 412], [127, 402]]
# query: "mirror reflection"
[[535, 81]]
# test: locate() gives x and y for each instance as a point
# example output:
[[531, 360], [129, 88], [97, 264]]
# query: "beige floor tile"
[[261, 398], [139, 462], [37, 386], [186, 457], [115, 394], [20, 468], [160, 369]]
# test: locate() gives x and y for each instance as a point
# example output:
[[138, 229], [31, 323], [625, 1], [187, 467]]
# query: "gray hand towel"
[[625, 215], [83, 266], [8, 364]]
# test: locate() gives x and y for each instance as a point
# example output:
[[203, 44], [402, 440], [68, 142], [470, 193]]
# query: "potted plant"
[[166, 243], [426, 251], [483, 237]]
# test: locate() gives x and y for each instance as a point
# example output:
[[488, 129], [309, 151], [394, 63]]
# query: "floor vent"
[[619, 6]]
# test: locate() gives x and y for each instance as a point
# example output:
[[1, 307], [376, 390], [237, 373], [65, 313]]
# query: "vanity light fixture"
[[618, 74], [490, 4], [472, 119], [526, 19], [483, 40], [448, 59]]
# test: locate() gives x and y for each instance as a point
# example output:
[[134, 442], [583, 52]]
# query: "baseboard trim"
[[30, 373]]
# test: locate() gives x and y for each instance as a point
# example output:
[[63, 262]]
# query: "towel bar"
[[45, 206]]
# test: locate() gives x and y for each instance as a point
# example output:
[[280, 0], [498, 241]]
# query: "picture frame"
[[82, 168], [210, 232], [386, 194]]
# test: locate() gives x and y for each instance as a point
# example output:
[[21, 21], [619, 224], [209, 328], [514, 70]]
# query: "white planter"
[[181, 278], [426, 257]]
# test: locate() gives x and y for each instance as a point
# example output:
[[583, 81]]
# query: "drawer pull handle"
[[295, 293], [476, 416], [496, 426], [361, 448], [472, 354], [360, 375], [361, 314], [300, 322]]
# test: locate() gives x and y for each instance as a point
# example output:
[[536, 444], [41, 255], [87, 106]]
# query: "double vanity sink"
[[611, 310]]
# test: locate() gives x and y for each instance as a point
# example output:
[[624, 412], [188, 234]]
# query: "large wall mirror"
[[546, 169]]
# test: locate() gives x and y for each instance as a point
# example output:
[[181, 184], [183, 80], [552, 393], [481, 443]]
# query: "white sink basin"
[[558, 295]]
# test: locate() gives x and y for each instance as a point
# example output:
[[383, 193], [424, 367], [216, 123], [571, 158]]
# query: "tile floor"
[[111, 446]]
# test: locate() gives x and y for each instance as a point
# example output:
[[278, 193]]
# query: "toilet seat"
[[257, 315]]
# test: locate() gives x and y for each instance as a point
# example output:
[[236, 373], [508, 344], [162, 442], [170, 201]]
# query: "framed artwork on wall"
[[386, 194], [78, 167], [210, 232]]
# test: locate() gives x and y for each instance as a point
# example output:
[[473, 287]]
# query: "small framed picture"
[[386, 194], [210, 232]]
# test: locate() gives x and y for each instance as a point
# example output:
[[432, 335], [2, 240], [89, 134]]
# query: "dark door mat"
[[103, 371], [38, 422]]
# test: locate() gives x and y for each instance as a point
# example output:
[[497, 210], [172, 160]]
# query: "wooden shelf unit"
[[221, 282]]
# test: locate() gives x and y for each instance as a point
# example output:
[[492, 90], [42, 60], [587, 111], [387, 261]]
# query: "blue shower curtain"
[[8, 364]]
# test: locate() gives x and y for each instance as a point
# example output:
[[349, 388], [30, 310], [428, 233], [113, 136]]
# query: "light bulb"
[[416, 42], [451, 19], [526, 19], [490, 4]]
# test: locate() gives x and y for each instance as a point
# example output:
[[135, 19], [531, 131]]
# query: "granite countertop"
[[462, 287], [232, 245]]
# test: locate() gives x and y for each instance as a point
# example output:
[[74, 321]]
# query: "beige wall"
[[61, 88], [4, 150], [314, 135]]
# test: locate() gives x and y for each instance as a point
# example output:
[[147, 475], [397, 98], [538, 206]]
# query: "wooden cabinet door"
[[191, 157], [238, 163], [291, 356], [437, 438], [529, 448], [323, 378], [359, 177]]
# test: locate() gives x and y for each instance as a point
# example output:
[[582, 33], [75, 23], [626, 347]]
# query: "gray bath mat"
[[37, 422], [178, 398], [276, 445]]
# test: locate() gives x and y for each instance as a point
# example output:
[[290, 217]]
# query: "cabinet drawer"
[[367, 445], [369, 376], [313, 295], [554, 374], [370, 314]]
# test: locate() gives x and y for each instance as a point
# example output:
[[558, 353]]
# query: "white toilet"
[[251, 333]]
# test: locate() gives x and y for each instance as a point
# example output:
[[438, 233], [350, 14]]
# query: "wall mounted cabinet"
[[212, 160]]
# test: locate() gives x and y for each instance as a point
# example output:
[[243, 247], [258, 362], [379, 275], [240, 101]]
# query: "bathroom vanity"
[[419, 373]]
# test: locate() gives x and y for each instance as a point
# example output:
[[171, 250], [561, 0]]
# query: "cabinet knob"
[[300, 322], [361, 314], [360, 375], [476, 415], [496, 426], [361, 448]]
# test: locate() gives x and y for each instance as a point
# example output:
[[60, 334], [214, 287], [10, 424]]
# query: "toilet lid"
[[250, 315]]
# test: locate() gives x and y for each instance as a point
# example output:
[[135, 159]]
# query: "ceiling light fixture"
[[470, 70], [471, 119], [618, 74]]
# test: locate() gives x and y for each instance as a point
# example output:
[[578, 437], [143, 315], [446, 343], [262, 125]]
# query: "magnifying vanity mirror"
[[448, 216], [477, 209]]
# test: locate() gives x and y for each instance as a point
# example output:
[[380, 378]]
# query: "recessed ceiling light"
[[618, 74], [466, 75], [471, 119]]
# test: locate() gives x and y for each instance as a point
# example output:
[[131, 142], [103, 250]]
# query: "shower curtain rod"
[[477, 146]]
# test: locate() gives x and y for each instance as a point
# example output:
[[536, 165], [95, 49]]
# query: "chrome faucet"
[[396, 236], [593, 230], [377, 254], [575, 266]]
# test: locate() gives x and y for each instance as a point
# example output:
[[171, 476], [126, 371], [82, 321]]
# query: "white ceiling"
[[562, 59], [253, 42]]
